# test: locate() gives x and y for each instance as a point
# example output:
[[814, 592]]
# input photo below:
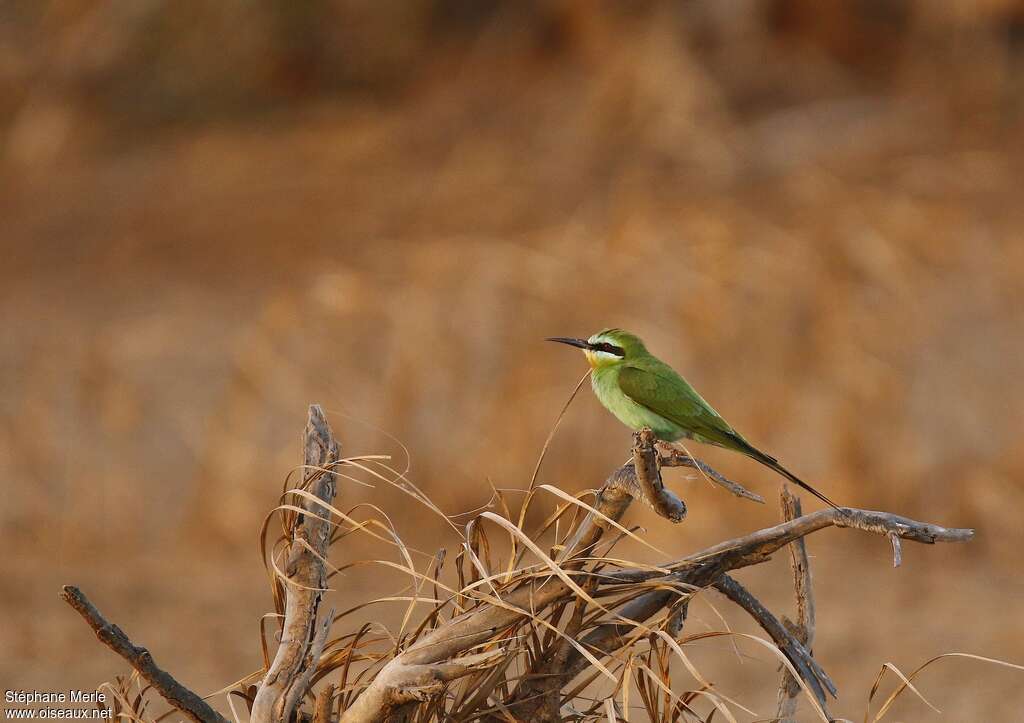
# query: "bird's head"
[[606, 348]]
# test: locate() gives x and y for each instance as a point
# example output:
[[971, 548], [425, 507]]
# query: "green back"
[[656, 386]]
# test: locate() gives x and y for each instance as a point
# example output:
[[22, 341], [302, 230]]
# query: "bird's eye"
[[609, 348]]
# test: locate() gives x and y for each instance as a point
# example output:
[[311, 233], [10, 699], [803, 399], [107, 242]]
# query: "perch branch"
[[759, 546], [285, 681], [472, 644], [624, 485], [479, 625], [648, 475], [140, 659]]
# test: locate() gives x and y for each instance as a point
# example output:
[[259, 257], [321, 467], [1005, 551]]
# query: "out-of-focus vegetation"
[[217, 212]]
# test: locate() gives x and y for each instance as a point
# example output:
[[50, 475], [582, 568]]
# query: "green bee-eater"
[[643, 391]]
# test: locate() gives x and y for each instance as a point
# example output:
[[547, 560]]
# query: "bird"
[[644, 392]]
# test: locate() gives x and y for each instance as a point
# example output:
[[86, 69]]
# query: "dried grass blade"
[[600, 515], [713, 697], [907, 680]]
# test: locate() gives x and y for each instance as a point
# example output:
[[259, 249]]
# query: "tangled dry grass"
[[560, 628]]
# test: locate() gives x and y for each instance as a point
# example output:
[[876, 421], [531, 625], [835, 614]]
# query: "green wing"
[[657, 386], [666, 393]]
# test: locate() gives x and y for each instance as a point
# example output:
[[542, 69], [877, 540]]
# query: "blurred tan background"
[[217, 212]]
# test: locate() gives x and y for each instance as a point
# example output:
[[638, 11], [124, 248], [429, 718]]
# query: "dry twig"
[[140, 659], [798, 655]]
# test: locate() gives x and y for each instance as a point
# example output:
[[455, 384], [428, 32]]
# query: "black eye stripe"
[[609, 348]]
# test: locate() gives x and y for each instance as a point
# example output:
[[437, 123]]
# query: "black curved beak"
[[579, 343]]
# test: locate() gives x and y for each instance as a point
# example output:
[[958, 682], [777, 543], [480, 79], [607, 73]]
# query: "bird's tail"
[[773, 464]]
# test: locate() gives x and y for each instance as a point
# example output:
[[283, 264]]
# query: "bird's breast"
[[635, 416]]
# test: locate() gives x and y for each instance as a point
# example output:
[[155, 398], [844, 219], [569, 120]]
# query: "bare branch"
[[284, 684], [798, 655], [623, 486], [759, 546], [672, 456], [140, 659], [789, 689], [801, 566], [648, 476]]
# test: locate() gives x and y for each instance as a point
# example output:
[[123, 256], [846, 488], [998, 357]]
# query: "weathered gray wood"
[[789, 688], [283, 685], [140, 659], [798, 655]]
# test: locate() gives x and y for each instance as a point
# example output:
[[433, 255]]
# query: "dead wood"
[[803, 628], [567, 615], [141, 660], [305, 576]]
